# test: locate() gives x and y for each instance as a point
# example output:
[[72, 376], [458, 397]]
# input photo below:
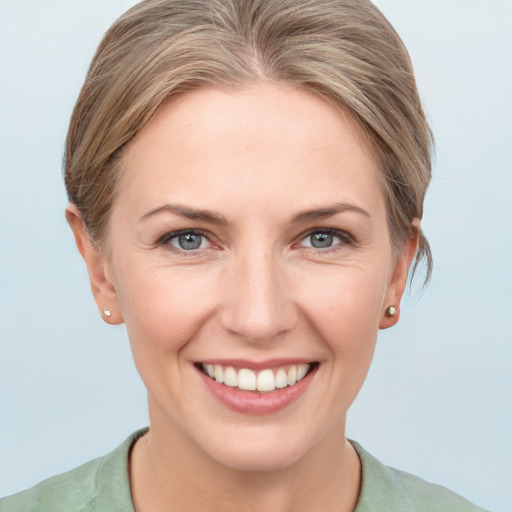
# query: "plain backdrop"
[[438, 400]]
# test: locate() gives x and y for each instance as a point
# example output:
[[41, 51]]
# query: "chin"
[[258, 451], [257, 458]]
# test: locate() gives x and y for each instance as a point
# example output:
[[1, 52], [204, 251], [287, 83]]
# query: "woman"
[[246, 183]]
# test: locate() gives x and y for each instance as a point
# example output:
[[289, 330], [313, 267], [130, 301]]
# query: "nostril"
[[258, 324]]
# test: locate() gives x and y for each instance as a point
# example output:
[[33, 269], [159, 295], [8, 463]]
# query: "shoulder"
[[101, 484], [384, 488], [69, 491]]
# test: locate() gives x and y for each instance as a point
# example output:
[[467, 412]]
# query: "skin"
[[256, 290]]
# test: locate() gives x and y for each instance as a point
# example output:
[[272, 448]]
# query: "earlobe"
[[398, 282], [390, 317], [102, 287]]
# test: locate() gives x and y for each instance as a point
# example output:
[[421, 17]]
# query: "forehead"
[[257, 145]]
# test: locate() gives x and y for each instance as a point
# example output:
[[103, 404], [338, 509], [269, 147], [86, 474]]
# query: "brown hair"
[[343, 50]]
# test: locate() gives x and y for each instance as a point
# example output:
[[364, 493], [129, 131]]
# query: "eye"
[[324, 239], [186, 240]]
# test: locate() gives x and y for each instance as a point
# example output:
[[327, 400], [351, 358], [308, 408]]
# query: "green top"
[[102, 486]]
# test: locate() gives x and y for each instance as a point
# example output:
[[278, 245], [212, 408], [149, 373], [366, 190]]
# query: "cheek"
[[164, 307], [344, 306]]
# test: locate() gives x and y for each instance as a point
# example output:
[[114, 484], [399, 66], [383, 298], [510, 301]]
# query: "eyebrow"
[[329, 211], [215, 218], [188, 213]]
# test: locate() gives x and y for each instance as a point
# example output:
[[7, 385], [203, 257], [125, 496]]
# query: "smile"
[[265, 380]]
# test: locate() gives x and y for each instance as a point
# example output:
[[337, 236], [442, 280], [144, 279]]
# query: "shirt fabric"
[[102, 485]]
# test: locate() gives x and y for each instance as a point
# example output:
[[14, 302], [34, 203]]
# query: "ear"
[[102, 287], [398, 280]]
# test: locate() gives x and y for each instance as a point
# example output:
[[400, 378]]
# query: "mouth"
[[263, 380]]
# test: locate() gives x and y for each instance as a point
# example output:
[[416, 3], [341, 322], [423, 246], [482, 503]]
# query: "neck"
[[168, 472]]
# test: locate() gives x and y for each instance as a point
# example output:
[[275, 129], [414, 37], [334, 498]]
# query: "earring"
[[107, 313], [391, 311]]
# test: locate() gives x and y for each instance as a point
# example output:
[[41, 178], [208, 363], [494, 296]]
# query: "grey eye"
[[324, 239], [188, 241], [321, 240]]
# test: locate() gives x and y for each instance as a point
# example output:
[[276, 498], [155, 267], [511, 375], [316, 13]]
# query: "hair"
[[344, 51]]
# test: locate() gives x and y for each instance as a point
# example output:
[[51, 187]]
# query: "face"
[[249, 248]]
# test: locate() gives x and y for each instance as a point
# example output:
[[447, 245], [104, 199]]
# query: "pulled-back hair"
[[344, 51]]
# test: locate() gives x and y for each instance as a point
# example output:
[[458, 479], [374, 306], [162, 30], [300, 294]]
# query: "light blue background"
[[438, 400]]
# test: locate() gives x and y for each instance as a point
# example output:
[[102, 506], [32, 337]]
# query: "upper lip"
[[257, 365]]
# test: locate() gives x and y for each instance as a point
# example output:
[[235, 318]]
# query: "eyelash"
[[345, 239], [164, 240]]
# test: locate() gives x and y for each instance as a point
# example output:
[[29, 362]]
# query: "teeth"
[[264, 381], [219, 374], [247, 380], [281, 379], [230, 377], [301, 371], [292, 376]]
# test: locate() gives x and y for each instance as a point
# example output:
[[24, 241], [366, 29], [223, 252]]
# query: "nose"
[[258, 303]]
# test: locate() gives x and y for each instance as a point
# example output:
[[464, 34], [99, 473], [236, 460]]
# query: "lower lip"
[[254, 402]]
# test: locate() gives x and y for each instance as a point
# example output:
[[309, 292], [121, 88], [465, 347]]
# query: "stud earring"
[[391, 311], [107, 313]]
